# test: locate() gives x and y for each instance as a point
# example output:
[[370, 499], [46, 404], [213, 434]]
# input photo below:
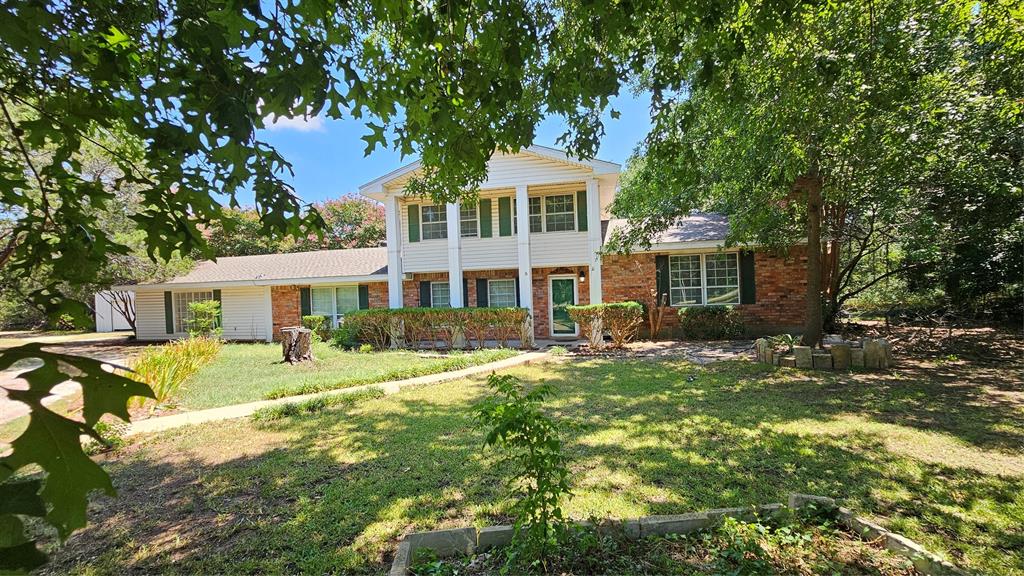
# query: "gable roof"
[[599, 167], [322, 266]]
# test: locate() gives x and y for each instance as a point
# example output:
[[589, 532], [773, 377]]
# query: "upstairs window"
[[434, 222], [536, 218], [468, 221], [559, 213]]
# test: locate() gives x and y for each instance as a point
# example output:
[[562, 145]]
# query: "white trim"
[[523, 247], [594, 240], [453, 213], [375, 188], [278, 282], [551, 303], [268, 303], [704, 280]]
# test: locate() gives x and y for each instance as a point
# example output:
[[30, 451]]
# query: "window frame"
[[475, 220], [425, 223], [433, 298], [181, 316], [703, 258], [571, 213], [337, 315], [490, 295]]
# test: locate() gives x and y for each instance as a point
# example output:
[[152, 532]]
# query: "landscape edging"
[[470, 540]]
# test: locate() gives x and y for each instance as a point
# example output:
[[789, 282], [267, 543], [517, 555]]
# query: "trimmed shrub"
[[623, 320], [710, 323], [319, 325], [428, 326], [372, 326], [165, 368], [345, 335], [590, 319], [205, 319]]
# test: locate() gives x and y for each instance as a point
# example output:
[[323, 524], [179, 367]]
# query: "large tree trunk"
[[811, 186]]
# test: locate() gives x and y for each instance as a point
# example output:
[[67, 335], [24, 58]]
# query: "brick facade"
[[780, 284], [286, 304], [285, 307], [780, 291]]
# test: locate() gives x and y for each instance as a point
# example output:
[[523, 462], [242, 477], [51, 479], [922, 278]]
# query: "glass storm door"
[[563, 293]]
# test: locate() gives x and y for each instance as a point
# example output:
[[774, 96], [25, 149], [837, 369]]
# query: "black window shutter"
[[748, 291], [169, 312], [465, 293], [481, 293], [220, 309], [424, 294], [364, 296], [517, 292], [305, 306], [661, 275]]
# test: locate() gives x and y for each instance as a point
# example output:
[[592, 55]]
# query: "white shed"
[[109, 317]]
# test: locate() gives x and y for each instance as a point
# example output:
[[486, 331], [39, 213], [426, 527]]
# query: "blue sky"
[[327, 155]]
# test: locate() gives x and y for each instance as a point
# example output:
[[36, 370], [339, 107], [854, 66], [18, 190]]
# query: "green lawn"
[[248, 372], [933, 454]]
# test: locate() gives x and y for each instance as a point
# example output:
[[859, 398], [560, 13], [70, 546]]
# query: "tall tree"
[[834, 131]]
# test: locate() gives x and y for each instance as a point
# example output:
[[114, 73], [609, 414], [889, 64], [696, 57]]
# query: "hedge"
[[622, 319], [710, 323], [380, 326]]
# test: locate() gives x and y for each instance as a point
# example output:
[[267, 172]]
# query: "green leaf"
[[22, 498], [52, 441]]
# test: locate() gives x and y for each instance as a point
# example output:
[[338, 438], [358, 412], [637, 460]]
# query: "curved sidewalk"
[[392, 387]]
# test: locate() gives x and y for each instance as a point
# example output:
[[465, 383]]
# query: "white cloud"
[[299, 124]]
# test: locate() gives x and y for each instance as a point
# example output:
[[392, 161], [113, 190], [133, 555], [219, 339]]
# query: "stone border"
[[871, 353], [471, 540]]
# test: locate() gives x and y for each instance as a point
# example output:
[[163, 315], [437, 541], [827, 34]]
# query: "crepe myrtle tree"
[[451, 81], [842, 130]]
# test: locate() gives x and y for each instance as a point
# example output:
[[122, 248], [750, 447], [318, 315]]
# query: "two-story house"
[[533, 238]]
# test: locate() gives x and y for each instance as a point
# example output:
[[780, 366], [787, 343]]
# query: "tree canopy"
[[349, 222], [896, 113]]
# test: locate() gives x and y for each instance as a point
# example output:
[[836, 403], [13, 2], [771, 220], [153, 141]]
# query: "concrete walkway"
[[243, 410]]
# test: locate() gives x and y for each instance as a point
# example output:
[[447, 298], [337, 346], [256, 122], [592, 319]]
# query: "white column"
[[454, 256], [523, 244], [393, 234], [594, 239]]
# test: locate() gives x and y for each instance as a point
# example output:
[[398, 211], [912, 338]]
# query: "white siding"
[[245, 313], [511, 170], [244, 310], [558, 249], [149, 316]]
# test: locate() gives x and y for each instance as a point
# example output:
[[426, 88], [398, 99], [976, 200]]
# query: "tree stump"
[[296, 344]]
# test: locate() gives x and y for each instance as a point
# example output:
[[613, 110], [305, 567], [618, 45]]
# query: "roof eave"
[[274, 282]]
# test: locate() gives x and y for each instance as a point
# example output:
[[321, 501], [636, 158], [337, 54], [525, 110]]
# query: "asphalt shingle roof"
[[319, 264], [693, 228]]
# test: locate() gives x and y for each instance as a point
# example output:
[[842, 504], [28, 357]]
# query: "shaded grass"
[[934, 458], [249, 372], [313, 405]]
